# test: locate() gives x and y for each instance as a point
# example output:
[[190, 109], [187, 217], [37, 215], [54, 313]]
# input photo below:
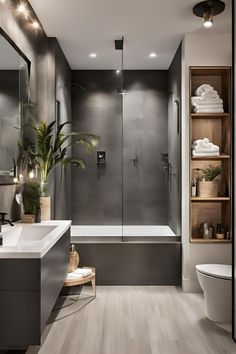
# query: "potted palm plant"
[[51, 150], [208, 186]]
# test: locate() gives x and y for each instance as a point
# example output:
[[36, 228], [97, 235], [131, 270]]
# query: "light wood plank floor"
[[136, 320]]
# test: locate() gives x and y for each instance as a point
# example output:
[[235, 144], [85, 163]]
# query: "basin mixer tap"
[[4, 221]]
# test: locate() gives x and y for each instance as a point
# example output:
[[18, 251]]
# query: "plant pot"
[[28, 218], [208, 189], [45, 206]]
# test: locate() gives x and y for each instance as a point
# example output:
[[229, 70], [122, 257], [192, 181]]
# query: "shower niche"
[[213, 211]]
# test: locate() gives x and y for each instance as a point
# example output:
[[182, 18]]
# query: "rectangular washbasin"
[[25, 234]]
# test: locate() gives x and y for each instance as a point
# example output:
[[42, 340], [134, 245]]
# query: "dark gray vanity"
[[30, 286]]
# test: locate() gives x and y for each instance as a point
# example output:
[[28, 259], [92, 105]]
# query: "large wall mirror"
[[14, 95]]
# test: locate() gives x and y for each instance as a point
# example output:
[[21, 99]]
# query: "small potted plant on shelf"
[[208, 185], [31, 202]]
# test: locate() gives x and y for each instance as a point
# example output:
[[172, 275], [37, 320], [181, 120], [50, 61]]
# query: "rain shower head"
[[119, 43]]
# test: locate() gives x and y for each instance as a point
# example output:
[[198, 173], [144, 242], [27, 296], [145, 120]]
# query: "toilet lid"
[[223, 271]]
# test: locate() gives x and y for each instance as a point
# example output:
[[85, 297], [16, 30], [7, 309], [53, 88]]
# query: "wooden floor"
[[136, 320]]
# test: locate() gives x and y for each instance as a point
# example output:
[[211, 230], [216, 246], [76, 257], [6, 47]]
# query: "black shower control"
[[101, 156]]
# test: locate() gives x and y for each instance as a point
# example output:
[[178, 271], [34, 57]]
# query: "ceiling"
[[86, 26]]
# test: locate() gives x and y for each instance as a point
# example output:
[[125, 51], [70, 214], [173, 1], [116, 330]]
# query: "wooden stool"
[[81, 281]]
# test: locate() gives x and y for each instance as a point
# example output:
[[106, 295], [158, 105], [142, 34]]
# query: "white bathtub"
[[89, 232]]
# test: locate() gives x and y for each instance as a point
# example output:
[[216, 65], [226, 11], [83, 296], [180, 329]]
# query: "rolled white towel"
[[205, 110], [209, 106], [83, 271], [203, 88], [202, 154], [204, 145], [196, 100], [210, 95], [73, 276], [201, 143]]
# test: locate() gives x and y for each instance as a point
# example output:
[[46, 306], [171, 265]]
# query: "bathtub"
[[131, 233], [130, 254]]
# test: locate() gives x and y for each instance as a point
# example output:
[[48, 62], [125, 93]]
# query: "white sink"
[[20, 234], [31, 240]]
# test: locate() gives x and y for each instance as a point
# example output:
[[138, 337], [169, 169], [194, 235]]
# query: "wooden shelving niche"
[[217, 128]]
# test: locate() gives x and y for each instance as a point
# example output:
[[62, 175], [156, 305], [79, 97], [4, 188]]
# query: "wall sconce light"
[[22, 9], [35, 25], [31, 174], [207, 10]]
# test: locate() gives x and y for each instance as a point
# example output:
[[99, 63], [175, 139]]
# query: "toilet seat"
[[222, 271]]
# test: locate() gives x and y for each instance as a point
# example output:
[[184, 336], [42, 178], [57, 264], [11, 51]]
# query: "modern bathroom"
[[117, 162]]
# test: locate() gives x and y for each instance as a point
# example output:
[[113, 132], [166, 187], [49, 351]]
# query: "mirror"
[[14, 94]]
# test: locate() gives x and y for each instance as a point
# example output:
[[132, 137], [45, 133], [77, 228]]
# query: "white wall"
[[198, 50]]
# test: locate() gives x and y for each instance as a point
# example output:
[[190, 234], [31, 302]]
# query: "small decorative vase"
[[45, 206], [74, 259]]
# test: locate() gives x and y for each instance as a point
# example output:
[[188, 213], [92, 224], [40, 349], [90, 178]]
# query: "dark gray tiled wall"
[[121, 191]]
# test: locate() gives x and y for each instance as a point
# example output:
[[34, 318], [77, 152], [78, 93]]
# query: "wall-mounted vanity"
[[34, 263]]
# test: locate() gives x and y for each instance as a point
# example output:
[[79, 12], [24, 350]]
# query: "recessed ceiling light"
[[152, 55], [93, 55]]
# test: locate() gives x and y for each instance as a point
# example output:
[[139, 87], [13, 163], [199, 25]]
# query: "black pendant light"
[[207, 10]]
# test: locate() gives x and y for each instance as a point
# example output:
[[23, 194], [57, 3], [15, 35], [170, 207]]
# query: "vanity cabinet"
[[29, 288]]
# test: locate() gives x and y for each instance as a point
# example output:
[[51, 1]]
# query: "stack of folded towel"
[[203, 147], [79, 273], [207, 100]]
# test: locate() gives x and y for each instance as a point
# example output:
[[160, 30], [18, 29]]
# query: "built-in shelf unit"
[[217, 128]]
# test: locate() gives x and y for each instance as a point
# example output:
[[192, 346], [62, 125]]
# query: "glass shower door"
[[145, 187]]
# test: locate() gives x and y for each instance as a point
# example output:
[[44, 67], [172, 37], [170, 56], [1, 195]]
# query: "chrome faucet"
[[4, 221]]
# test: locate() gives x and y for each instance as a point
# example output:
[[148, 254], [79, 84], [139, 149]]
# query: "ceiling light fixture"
[[93, 55], [118, 72], [152, 55], [207, 10], [22, 9]]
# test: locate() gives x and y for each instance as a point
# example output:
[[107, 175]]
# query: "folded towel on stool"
[[85, 272], [72, 276]]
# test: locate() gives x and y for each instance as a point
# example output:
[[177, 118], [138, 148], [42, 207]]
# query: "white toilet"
[[216, 283]]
